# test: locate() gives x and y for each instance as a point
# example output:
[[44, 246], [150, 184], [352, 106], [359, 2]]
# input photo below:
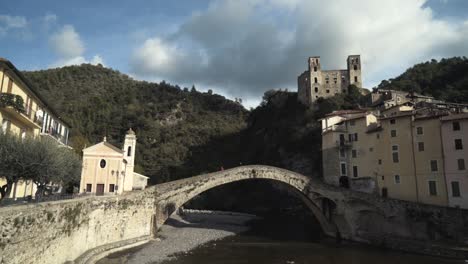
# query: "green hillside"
[[181, 132], [446, 79]]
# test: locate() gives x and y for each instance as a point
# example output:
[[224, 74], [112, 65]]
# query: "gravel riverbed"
[[182, 233]]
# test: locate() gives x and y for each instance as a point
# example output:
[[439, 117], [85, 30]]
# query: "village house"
[[24, 112]]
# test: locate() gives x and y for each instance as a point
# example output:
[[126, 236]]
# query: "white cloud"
[[67, 43], [8, 23], [69, 47], [248, 47]]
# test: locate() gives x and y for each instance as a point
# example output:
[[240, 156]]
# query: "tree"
[[41, 160]]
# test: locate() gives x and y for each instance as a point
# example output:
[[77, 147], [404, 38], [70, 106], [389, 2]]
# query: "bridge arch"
[[173, 195]]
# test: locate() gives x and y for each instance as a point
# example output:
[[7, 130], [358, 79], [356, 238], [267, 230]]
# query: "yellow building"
[[24, 112], [110, 170], [398, 155]]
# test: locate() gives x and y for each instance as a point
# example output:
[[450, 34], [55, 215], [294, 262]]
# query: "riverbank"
[[182, 233]]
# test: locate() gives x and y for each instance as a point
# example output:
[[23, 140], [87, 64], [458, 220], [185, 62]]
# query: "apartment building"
[[454, 134], [24, 112], [410, 154]]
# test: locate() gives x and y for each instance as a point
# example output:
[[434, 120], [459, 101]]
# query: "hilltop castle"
[[315, 82]]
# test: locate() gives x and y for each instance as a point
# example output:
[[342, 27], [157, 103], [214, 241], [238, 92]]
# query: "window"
[[88, 187], [328, 91], [355, 171], [380, 162], [6, 125], [316, 89], [393, 133], [419, 130], [392, 121], [383, 177], [371, 149], [102, 164], [455, 189], [335, 80], [420, 146], [458, 144], [432, 188], [456, 126], [355, 137], [355, 79], [395, 155], [378, 136], [461, 164], [111, 187], [315, 80], [350, 137], [342, 153], [355, 67], [352, 122], [315, 68], [354, 153], [129, 151], [434, 165], [397, 179], [343, 169]]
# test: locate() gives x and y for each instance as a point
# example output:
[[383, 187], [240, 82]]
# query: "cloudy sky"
[[238, 48]]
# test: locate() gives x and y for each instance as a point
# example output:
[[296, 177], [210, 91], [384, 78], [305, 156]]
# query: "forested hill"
[[446, 79], [180, 131]]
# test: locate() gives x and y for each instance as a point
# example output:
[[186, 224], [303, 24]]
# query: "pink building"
[[454, 130]]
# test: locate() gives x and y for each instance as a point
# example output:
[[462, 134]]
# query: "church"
[[109, 170]]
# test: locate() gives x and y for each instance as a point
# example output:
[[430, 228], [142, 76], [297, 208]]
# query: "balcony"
[[54, 135], [13, 106], [343, 144], [335, 128]]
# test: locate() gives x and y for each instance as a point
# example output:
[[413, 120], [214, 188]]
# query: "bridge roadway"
[[83, 229]]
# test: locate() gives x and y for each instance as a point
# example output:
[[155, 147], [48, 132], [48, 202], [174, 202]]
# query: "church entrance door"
[[100, 189]]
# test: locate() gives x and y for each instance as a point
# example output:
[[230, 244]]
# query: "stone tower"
[[354, 70], [129, 157], [316, 83]]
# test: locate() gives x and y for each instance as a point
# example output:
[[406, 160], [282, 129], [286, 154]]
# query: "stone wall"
[[58, 232]]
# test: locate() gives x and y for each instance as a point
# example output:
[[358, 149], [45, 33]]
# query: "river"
[[273, 240]]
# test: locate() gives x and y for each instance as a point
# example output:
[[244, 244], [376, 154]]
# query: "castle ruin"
[[315, 82]]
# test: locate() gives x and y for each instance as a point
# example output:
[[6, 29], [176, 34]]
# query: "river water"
[[268, 242]]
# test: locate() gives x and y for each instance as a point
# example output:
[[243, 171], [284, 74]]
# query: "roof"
[[344, 112], [30, 87], [106, 144], [396, 116], [455, 117], [139, 175]]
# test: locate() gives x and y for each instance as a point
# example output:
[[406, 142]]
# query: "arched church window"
[[102, 163], [129, 151], [316, 80]]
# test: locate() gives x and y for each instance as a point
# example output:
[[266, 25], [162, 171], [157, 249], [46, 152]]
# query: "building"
[[110, 170], [383, 98], [24, 112], [347, 149], [315, 82], [454, 134], [400, 152]]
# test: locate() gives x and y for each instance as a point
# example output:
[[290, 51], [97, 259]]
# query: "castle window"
[[328, 91], [315, 68], [315, 80], [316, 89], [355, 78], [129, 151], [102, 164], [355, 67]]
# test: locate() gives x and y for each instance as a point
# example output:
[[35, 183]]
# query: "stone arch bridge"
[[81, 230]]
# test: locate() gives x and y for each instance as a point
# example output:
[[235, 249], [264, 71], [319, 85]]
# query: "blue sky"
[[237, 48]]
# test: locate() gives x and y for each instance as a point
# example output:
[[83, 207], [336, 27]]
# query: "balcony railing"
[[12, 100], [335, 128], [343, 144]]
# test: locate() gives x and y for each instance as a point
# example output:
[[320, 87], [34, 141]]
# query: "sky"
[[237, 48]]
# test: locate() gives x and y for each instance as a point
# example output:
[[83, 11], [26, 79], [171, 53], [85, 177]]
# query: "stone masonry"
[[72, 230]]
